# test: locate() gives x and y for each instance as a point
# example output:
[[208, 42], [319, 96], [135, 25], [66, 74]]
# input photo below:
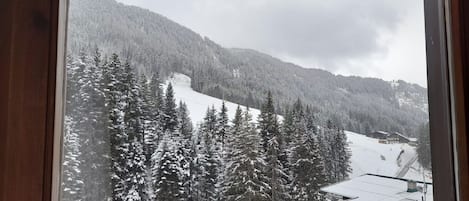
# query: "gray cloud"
[[331, 34]]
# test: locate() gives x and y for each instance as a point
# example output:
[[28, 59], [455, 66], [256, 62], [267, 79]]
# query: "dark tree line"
[[126, 139], [424, 147], [157, 44]]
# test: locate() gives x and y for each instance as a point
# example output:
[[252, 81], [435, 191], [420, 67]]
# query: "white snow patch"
[[197, 103], [368, 155]]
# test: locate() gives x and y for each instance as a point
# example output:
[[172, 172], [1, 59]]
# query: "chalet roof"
[[382, 132], [405, 137], [371, 187]]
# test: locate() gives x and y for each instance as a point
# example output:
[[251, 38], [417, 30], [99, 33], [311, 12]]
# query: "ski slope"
[[197, 103], [368, 155], [395, 160]]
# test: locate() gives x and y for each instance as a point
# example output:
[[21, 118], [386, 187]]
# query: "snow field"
[[368, 155]]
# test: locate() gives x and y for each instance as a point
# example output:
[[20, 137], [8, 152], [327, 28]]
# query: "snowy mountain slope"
[[198, 103], [155, 43], [368, 155], [395, 160]]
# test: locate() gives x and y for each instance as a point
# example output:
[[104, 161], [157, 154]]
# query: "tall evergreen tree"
[[184, 121], [333, 145], [268, 123], [134, 128], [86, 109], [171, 163], [222, 123], [168, 176], [307, 165], [97, 170], [273, 150], [116, 127], [222, 132], [288, 128], [343, 155], [423, 147], [246, 179], [169, 109], [185, 129], [209, 158], [157, 98], [72, 185]]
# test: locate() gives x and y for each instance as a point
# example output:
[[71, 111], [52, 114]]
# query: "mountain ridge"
[[154, 43]]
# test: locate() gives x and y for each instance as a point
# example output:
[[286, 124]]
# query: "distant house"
[[378, 135], [391, 139], [402, 138], [370, 187], [413, 142]]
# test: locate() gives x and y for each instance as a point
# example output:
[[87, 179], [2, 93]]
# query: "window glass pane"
[[246, 100]]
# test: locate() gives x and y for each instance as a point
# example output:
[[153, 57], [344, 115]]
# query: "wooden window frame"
[[32, 86]]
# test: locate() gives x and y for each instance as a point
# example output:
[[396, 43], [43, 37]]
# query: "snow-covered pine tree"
[[170, 155], [116, 126], [167, 173], [245, 174], [151, 115], [334, 147], [423, 148], [147, 107], [343, 155], [169, 110], [208, 159], [157, 90], [273, 150], [196, 168], [85, 105], [325, 139], [307, 164], [184, 121], [287, 127], [185, 129], [324, 143], [157, 95], [97, 146], [222, 123], [310, 120], [154, 126], [72, 184], [134, 189], [268, 124], [222, 132]]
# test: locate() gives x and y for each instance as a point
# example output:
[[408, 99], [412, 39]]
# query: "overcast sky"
[[372, 38]]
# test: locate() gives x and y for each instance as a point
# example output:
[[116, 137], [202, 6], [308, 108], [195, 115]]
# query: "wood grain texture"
[[28, 49], [460, 56], [27, 87]]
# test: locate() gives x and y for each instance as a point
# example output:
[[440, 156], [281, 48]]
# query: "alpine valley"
[[154, 43]]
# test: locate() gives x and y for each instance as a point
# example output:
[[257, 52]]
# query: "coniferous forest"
[[128, 139]]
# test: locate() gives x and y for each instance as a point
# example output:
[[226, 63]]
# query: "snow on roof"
[[406, 137], [402, 135], [382, 132], [370, 187]]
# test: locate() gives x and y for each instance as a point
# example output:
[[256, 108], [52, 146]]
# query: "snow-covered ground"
[[368, 155], [198, 102], [395, 160]]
